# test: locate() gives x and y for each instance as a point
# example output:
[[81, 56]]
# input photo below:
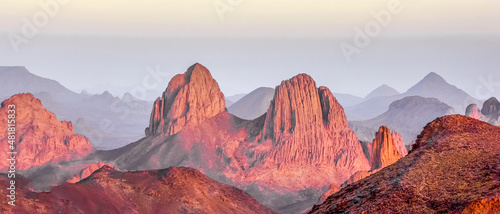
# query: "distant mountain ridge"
[[17, 79], [382, 91], [407, 116], [431, 86], [112, 122], [252, 105]]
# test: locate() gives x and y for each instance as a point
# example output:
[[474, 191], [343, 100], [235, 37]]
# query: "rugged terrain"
[[172, 190], [453, 167]]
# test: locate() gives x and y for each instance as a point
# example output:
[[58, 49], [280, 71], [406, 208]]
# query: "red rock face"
[[40, 137], [308, 133], [387, 148], [303, 141], [195, 89]]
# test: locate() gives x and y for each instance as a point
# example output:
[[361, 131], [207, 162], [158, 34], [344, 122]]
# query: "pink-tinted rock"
[[308, 134], [387, 148], [189, 99], [473, 111], [87, 171], [399, 144], [40, 137]]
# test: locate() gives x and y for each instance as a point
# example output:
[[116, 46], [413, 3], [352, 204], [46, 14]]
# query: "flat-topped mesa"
[[308, 126], [40, 137], [189, 99], [387, 148]]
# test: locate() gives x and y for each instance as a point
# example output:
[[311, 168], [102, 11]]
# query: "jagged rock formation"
[[304, 132], [40, 137], [453, 165], [305, 126], [195, 89], [173, 190], [387, 148], [473, 111]]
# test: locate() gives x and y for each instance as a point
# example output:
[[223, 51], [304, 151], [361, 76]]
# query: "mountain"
[[228, 103], [435, 86], [491, 111], [387, 148], [347, 100], [41, 138], [473, 112], [453, 167], [382, 91], [17, 79], [303, 132], [190, 99], [407, 116], [431, 86], [110, 122], [235, 98], [172, 190], [252, 105]]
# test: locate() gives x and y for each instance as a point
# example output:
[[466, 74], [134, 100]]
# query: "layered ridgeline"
[[453, 168], [40, 137], [172, 190], [302, 143]]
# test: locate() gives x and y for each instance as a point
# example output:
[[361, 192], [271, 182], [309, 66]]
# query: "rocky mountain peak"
[[307, 126], [189, 99], [387, 148]]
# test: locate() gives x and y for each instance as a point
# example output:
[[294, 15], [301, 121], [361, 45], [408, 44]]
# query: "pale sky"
[[257, 43]]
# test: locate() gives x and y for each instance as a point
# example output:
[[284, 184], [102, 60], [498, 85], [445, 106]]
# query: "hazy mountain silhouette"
[[431, 86], [406, 116], [252, 105], [382, 91], [112, 122]]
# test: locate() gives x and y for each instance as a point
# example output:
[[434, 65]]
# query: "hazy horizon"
[[111, 45]]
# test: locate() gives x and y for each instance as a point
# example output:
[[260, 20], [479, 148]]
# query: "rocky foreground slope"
[[454, 167], [172, 190]]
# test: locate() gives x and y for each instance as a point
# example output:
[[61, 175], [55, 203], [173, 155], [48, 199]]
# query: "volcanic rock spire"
[[189, 99], [306, 126], [387, 148]]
